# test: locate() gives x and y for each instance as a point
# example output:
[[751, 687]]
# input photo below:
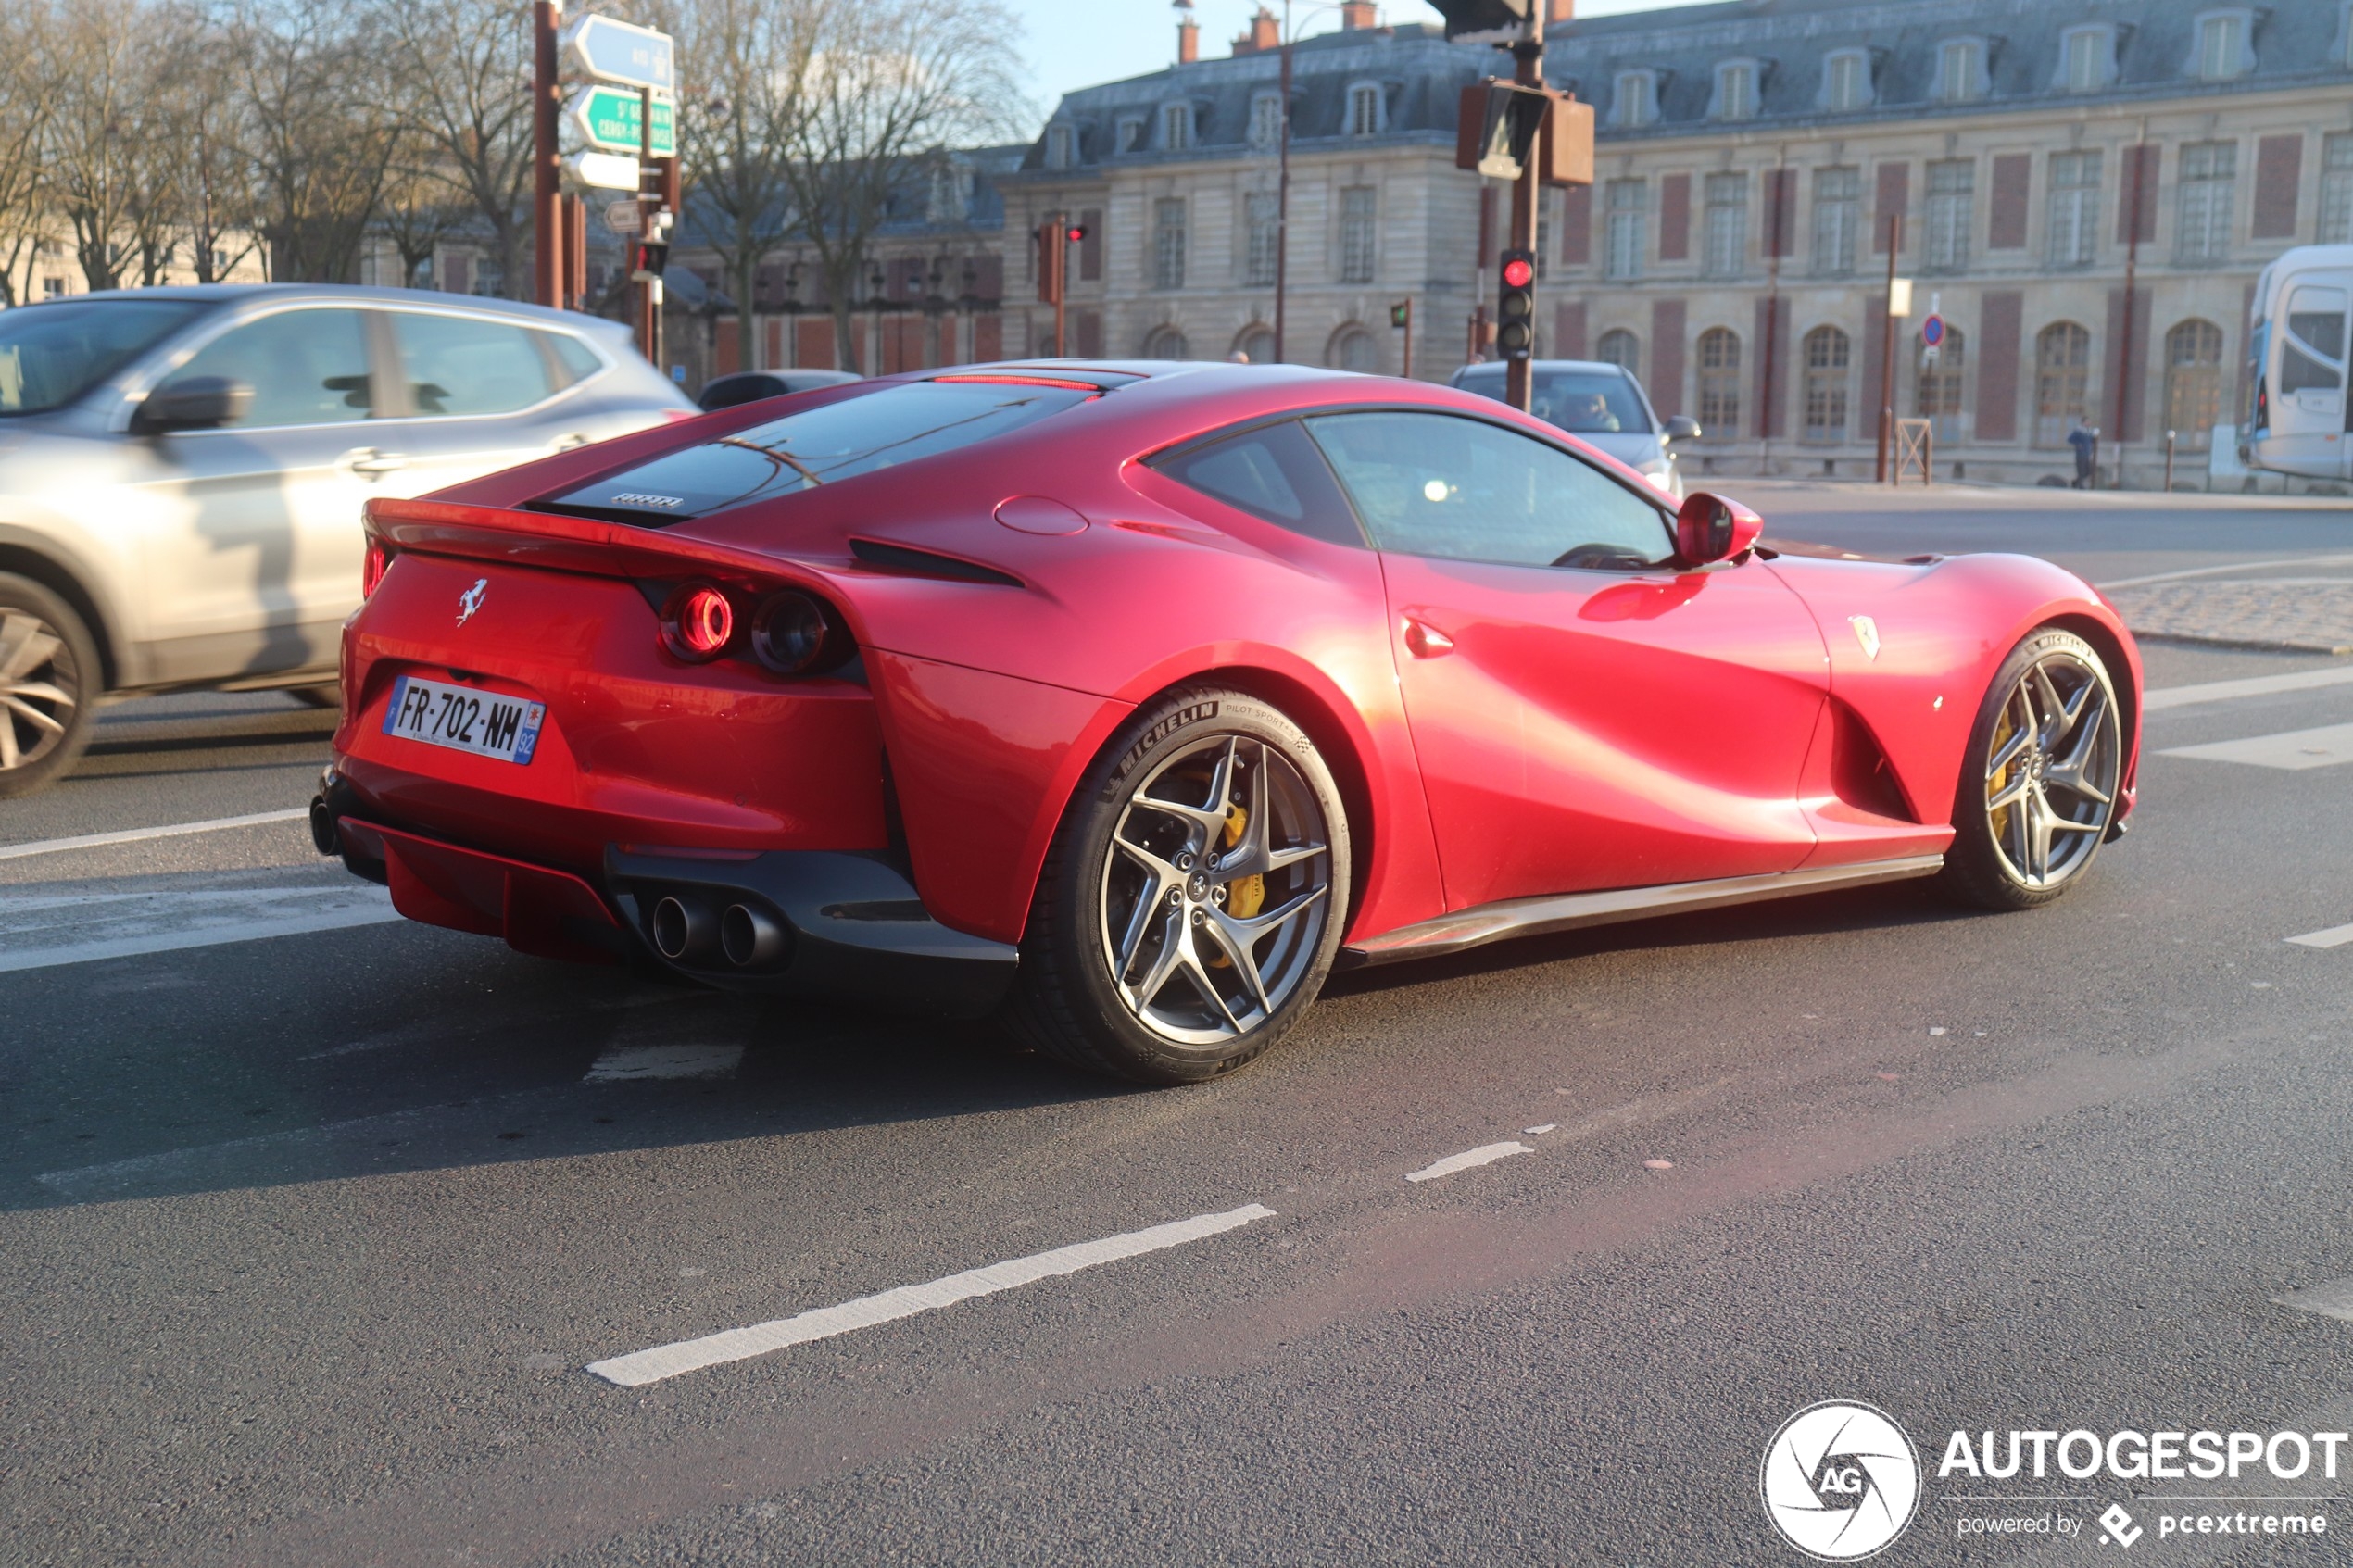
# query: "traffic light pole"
[[547, 248], [649, 287], [1527, 57]]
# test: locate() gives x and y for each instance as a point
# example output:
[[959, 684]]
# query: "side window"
[[576, 360], [1273, 472], [1461, 489], [465, 365], [306, 368]]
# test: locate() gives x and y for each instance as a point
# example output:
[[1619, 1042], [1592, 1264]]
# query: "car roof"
[[347, 293], [1496, 366]]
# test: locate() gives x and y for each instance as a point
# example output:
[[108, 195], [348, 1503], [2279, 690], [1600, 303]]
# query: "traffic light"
[[648, 257], [1515, 306], [1401, 315], [1053, 259]]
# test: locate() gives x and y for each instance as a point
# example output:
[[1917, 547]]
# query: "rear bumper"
[[816, 923]]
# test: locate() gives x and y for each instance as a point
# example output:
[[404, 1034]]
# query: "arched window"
[[1623, 349], [1257, 343], [1720, 384], [1827, 353], [1352, 348], [1167, 342], [2062, 381], [2193, 381], [1940, 385]]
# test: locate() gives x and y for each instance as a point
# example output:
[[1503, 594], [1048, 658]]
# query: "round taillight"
[[790, 633], [700, 623], [372, 569]]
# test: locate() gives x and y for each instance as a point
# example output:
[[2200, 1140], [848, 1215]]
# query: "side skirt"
[[1533, 917]]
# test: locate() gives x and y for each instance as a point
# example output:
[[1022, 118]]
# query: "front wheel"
[[1193, 898], [2039, 781], [49, 683]]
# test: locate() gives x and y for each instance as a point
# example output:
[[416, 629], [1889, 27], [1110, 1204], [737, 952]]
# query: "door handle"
[[370, 461], [1425, 641]]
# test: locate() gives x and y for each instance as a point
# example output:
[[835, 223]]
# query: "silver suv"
[[1601, 403], [181, 472]]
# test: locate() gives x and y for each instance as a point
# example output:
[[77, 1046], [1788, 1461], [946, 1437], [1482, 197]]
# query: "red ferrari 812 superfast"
[[1125, 701]]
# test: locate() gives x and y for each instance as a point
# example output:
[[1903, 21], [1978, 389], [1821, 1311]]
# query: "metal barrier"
[[1915, 449]]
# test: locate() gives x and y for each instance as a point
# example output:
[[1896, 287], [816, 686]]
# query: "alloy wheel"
[[2051, 771], [40, 689], [1215, 891]]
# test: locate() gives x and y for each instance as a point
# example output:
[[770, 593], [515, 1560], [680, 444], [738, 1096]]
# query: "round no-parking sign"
[[1932, 331]]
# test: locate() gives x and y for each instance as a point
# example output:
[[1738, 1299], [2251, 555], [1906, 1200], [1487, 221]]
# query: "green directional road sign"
[[608, 117]]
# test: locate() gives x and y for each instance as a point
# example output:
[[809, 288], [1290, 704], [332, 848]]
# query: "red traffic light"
[[1077, 234], [1518, 272]]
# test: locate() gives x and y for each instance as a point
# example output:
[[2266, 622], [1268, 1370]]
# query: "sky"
[[1071, 44]]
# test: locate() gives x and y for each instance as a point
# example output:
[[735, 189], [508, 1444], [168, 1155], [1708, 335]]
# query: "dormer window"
[[2088, 58], [1266, 119], [1365, 116], [1961, 70], [1847, 81], [1130, 135], [1176, 127], [1060, 141], [1635, 102], [2222, 51], [1735, 90]]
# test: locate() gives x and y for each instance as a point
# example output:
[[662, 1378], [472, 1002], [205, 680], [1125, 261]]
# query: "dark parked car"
[[750, 386]]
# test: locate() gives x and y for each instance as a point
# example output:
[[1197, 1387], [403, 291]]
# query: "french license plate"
[[464, 719]]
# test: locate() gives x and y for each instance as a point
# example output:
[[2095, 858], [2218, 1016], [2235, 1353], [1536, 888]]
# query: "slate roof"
[[2293, 42]]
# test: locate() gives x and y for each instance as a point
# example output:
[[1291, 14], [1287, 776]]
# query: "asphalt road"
[[307, 1238]]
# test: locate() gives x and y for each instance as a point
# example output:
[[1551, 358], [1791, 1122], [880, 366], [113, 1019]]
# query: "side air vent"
[[925, 563]]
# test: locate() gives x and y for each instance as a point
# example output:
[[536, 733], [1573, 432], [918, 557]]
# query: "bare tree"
[[27, 100], [463, 69], [741, 117], [319, 135], [92, 51], [421, 208], [892, 83]]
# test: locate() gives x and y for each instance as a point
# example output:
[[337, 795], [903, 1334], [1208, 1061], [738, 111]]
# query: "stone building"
[[1754, 158]]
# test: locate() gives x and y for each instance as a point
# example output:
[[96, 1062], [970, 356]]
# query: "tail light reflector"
[[699, 622], [372, 571], [790, 633]]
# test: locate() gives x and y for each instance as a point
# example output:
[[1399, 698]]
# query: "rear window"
[[897, 424], [1583, 402]]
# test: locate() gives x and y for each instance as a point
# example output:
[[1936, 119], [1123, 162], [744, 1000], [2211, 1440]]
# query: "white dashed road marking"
[[2334, 936], [741, 1344], [134, 836], [43, 931], [630, 1064], [2334, 1300], [2294, 748], [2230, 691], [1470, 1159]]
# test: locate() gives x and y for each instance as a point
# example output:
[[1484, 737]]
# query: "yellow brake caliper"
[[1999, 817], [1245, 896]]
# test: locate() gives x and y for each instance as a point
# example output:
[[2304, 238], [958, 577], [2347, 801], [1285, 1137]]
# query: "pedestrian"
[[2086, 442]]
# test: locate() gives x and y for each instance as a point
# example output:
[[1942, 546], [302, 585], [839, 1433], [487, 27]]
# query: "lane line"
[[202, 937], [823, 1323], [2256, 685], [2293, 749], [1485, 1154], [2220, 570], [2334, 1300], [2334, 936], [134, 835], [630, 1064]]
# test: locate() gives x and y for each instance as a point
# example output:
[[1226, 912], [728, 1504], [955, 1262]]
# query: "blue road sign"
[[612, 51]]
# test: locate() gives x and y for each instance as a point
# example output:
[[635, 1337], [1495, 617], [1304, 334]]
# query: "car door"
[[250, 532], [480, 394], [1585, 715]]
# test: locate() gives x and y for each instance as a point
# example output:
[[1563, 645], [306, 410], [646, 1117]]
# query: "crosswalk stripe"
[[134, 835], [2256, 685], [2292, 749]]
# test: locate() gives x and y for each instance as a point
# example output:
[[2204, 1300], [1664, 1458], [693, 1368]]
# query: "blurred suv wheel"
[[48, 681]]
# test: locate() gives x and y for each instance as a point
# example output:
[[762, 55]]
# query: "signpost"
[[609, 119], [604, 171], [622, 216], [615, 51]]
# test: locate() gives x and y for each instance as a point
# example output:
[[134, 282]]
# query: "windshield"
[[822, 446], [1583, 402], [52, 353]]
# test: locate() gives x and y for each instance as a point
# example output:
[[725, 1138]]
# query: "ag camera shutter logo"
[[1841, 1481]]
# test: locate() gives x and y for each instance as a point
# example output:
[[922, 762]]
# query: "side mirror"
[[196, 402], [1709, 528], [1682, 427]]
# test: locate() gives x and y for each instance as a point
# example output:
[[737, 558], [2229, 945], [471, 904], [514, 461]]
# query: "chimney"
[[1560, 10], [1355, 14], [1187, 34], [1264, 33]]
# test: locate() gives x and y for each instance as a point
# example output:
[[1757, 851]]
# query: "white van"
[[2297, 349]]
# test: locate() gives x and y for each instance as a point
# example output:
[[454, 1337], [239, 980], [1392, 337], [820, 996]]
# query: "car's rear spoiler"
[[560, 542]]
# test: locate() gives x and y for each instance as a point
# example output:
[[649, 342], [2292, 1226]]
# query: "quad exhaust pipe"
[[686, 931]]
